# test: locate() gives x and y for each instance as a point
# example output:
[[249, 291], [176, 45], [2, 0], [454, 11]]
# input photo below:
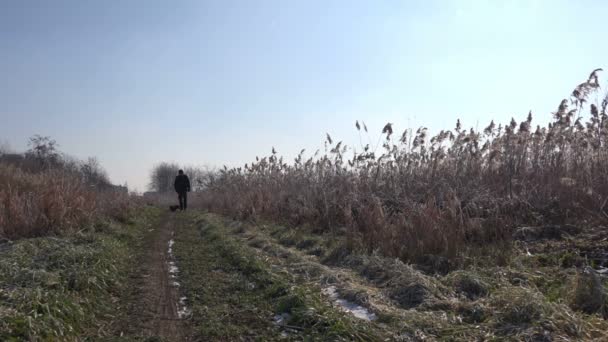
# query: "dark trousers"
[[183, 199]]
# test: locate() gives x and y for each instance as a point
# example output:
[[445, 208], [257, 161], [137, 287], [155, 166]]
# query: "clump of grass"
[[468, 284], [407, 287], [307, 243], [517, 307], [589, 294], [337, 255], [523, 313], [472, 313], [290, 303]]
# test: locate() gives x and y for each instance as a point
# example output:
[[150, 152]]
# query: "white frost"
[[173, 268], [281, 319], [171, 242], [183, 310], [353, 308]]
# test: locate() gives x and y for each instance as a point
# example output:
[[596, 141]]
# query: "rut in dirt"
[[160, 297]]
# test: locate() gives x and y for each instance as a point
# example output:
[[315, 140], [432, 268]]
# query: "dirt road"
[[158, 299]]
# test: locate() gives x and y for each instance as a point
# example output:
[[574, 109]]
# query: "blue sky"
[[136, 82]]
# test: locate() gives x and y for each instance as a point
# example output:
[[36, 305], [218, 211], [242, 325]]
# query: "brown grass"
[[458, 193], [52, 201]]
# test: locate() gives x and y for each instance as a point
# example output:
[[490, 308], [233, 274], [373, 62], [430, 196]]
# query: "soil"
[[156, 306]]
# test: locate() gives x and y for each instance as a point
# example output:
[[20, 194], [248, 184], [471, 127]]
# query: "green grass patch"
[[61, 287], [234, 295]]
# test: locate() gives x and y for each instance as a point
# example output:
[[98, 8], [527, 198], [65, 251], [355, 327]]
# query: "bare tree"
[[94, 174], [162, 176], [5, 148], [199, 176], [43, 150]]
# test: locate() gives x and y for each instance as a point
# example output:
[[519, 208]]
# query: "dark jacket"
[[182, 183]]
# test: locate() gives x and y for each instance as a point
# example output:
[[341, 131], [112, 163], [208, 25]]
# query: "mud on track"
[[155, 312]]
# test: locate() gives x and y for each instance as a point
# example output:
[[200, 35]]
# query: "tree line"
[[163, 174]]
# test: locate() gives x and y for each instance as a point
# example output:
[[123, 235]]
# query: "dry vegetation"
[[68, 239], [43, 192], [477, 235], [533, 298], [458, 194]]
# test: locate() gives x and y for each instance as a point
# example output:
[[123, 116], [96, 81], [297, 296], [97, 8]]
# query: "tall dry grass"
[[52, 201], [455, 193]]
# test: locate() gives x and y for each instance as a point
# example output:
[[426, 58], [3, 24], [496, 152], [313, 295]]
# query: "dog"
[[173, 207]]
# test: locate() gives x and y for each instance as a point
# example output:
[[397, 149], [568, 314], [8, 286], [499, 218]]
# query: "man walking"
[[182, 187]]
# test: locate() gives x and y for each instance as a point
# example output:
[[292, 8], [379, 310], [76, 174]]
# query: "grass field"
[[68, 287], [530, 298]]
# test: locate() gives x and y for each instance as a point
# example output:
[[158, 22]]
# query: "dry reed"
[[448, 196]]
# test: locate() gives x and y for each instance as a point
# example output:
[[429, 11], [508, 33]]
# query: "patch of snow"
[[281, 319], [170, 250], [347, 306], [173, 270], [183, 310]]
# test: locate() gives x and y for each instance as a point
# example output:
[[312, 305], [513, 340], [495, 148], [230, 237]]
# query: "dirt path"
[[159, 290]]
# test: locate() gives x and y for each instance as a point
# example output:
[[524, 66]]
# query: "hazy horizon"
[[220, 82]]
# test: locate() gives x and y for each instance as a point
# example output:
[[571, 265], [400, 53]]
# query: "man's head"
[[181, 172]]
